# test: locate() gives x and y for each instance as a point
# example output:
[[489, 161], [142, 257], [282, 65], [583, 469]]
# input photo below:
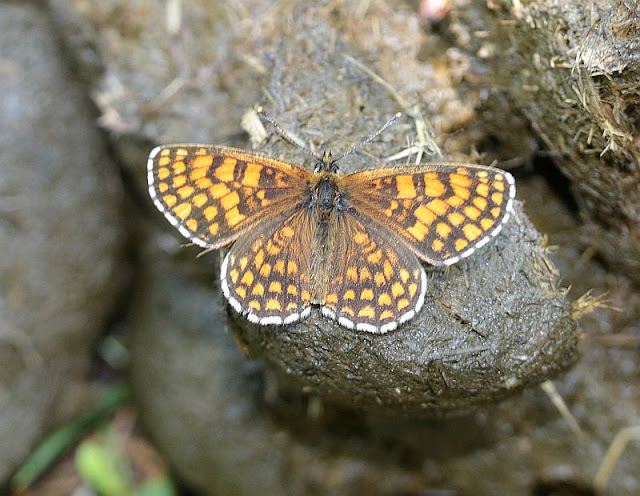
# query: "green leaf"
[[102, 468], [66, 436], [160, 486]]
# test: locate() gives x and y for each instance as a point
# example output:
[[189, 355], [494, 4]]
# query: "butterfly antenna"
[[370, 138], [286, 135]]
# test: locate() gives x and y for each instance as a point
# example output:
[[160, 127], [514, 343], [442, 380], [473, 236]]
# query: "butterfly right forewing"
[[443, 211]]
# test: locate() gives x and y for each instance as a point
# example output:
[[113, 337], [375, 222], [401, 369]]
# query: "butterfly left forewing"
[[212, 195], [443, 211]]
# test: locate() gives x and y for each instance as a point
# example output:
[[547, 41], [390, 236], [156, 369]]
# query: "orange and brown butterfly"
[[351, 244]]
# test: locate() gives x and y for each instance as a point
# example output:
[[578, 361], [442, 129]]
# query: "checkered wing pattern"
[[443, 211], [212, 195], [375, 282], [266, 274]]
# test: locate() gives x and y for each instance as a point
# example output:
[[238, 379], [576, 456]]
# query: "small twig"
[[253, 126], [550, 389], [396, 96], [173, 16], [424, 139], [588, 303], [612, 456]]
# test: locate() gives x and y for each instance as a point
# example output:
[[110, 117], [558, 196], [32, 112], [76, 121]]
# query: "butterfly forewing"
[[374, 283], [214, 194], [266, 274], [443, 211]]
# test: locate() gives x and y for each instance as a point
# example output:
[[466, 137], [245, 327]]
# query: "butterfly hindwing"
[[266, 275], [375, 283]]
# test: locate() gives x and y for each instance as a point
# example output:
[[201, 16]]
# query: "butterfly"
[[350, 244]]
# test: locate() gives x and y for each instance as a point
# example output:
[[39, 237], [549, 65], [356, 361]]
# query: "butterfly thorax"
[[325, 194]]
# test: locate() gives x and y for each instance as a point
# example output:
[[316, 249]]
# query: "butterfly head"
[[326, 164]]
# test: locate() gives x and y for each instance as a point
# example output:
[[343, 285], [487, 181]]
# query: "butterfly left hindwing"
[[266, 275]]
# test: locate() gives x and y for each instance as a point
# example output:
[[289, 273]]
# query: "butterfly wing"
[[375, 282], [212, 195], [266, 274], [443, 211]]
